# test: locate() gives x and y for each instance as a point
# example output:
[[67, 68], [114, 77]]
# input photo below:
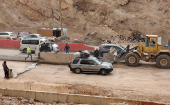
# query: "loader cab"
[[151, 43]]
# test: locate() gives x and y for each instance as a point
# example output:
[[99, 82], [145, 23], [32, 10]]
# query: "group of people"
[[66, 48]]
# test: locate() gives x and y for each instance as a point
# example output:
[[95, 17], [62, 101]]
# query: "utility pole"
[[60, 14]]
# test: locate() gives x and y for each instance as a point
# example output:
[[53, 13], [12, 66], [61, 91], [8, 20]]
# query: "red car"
[[23, 34]]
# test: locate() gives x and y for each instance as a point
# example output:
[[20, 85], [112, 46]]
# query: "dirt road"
[[145, 82]]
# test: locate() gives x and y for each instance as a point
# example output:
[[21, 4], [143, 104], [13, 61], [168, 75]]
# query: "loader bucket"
[[109, 57]]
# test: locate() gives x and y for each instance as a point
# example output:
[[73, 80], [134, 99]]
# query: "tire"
[[103, 72], [163, 61], [8, 38], [77, 70], [24, 50], [132, 59]]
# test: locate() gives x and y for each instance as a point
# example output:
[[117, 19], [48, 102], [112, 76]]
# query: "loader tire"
[[163, 61], [132, 59]]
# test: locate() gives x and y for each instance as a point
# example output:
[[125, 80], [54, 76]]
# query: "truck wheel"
[[132, 59], [77, 70], [163, 61], [103, 72]]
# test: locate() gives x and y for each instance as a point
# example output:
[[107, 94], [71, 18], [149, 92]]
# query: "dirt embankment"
[[82, 17]]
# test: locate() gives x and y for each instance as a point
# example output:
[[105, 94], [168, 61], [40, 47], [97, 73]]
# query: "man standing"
[[28, 52], [67, 47], [5, 69], [96, 53]]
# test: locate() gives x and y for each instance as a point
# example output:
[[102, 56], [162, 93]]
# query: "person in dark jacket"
[[5, 69], [96, 53], [67, 47]]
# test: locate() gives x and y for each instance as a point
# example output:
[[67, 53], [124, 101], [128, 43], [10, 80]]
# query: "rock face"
[[84, 16]]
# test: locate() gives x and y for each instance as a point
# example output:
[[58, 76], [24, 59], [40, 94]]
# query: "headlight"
[[108, 67]]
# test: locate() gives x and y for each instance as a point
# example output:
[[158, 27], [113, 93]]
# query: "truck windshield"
[[23, 33]]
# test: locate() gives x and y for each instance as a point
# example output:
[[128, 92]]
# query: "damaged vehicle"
[[114, 52]]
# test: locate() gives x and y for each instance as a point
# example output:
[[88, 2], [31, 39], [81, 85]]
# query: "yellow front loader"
[[152, 51]]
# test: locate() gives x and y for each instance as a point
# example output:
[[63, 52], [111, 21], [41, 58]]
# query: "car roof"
[[6, 32], [25, 32], [110, 45], [34, 34], [89, 58], [33, 39]]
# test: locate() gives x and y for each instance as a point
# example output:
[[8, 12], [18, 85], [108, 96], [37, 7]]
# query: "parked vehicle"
[[33, 36], [91, 64], [8, 35], [33, 42], [23, 34]]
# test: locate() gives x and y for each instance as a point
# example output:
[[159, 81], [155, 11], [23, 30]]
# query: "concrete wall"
[[57, 58], [49, 97]]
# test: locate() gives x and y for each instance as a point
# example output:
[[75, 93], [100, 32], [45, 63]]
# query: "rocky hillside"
[[82, 17]]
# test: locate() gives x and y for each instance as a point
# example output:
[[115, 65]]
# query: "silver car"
[[92, 64], [8, 35]]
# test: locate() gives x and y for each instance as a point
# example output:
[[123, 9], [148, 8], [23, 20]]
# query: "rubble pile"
[[98, 35], [98, 38], [136, 35], [5, 100], [132, 36]]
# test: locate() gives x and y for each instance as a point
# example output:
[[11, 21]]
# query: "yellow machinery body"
[[152, 48]]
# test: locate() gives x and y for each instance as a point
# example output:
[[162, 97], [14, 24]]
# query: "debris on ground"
[[26, 69], [89, 90], [102, 36], [130, 36], [6, 100]]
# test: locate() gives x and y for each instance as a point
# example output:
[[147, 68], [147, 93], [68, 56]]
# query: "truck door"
[[152, 45]]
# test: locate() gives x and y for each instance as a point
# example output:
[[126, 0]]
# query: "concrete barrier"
[[50, 97], [56, 58]]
